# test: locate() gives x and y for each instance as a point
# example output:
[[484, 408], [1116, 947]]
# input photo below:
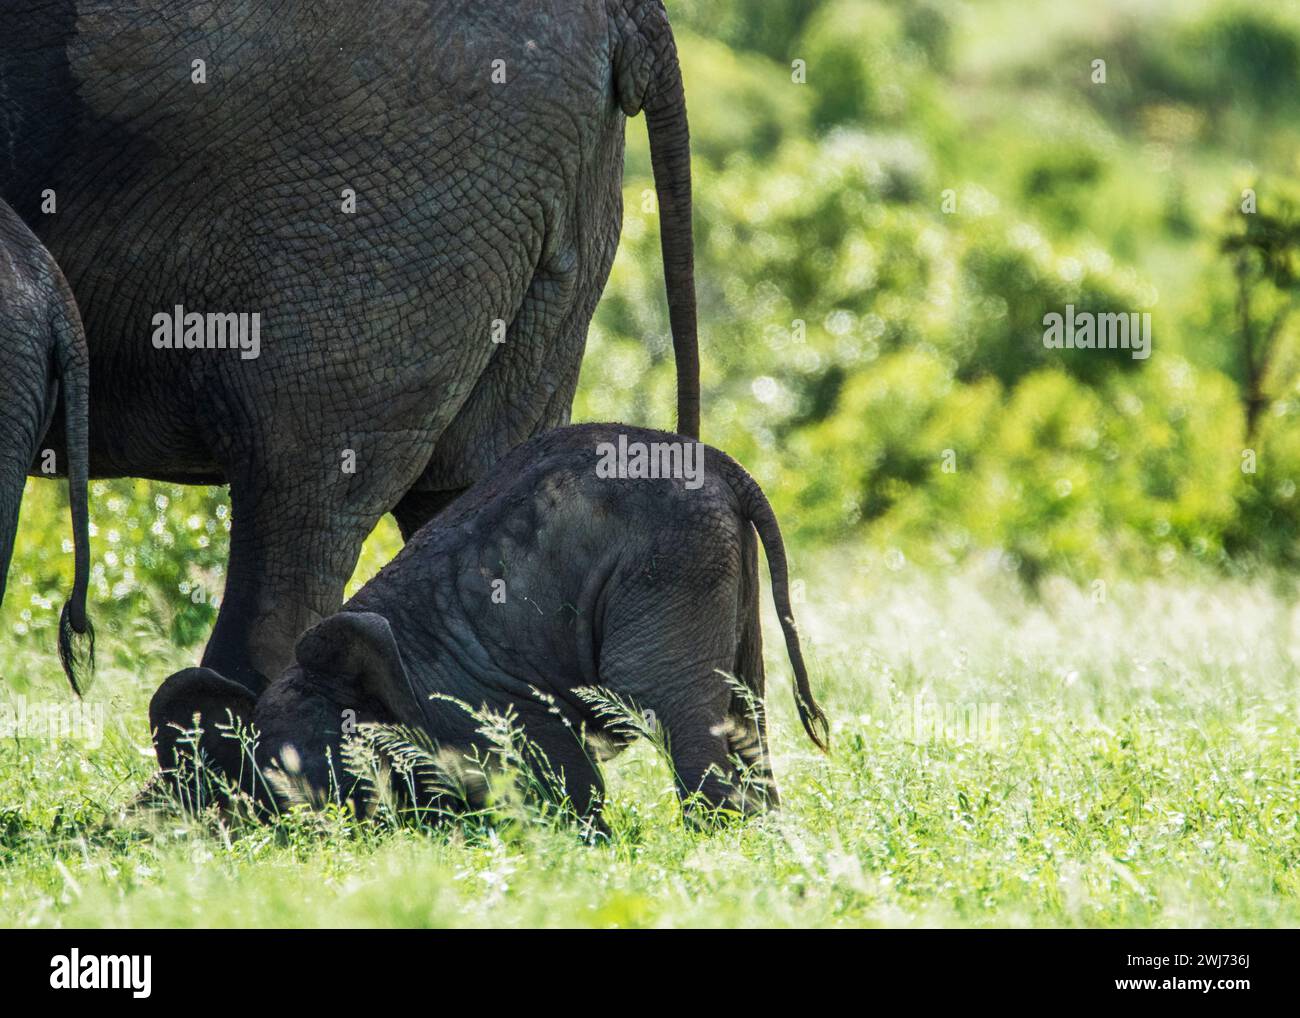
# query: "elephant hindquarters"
[[527, 386]]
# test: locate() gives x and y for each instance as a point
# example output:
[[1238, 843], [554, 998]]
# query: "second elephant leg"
[[289, 561], [418, 507]]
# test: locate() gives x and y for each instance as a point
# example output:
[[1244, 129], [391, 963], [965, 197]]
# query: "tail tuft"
[[814, 719], [76, 648]]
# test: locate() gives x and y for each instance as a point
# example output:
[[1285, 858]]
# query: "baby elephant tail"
[[758, 510]]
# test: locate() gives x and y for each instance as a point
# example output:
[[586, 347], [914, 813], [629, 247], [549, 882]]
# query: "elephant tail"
[[73, 363], [756, 508], [648, 77]]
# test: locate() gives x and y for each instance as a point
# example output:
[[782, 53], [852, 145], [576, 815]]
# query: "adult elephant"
[[421, 201]]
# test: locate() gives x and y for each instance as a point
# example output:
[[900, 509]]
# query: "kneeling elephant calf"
[[576, 566]]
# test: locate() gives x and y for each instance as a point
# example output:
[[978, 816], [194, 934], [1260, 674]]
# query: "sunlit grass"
[[1126, 761]]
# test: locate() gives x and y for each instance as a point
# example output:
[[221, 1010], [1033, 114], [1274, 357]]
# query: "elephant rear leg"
[[676, 656], [717, 764], [417, 508], [748, 707], [25, 410], [290, 558]]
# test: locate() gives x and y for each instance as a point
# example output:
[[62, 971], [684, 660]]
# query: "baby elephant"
[[593, 558]]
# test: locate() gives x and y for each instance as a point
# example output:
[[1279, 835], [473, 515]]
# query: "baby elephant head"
[[348, 672]]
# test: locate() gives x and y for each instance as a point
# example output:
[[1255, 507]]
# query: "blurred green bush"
[[873, 288]]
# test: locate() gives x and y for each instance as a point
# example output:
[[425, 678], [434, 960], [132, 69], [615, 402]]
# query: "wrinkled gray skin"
[[475, 202], [42, 353], [644, 588]]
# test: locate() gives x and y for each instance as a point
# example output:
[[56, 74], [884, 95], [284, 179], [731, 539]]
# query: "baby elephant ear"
[[361, 645]]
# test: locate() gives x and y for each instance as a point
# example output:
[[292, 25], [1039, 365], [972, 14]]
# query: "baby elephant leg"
[[676, 655], [710, 751], [563, 766], [747, 747]]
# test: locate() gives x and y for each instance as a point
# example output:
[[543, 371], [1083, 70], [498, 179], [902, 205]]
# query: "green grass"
[[1135, 765]]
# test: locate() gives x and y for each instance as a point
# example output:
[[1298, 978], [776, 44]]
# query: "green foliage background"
[[857, 337], [1098, 568]]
